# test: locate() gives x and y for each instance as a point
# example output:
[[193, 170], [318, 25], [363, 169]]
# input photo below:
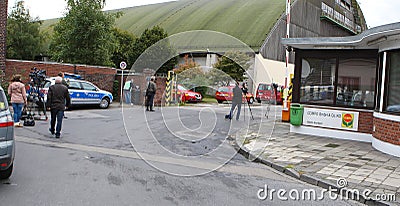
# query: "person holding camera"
[[58, 100], [17, 92], [236, 101]]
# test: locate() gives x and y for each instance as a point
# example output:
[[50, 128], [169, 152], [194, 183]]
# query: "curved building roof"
[[369, 39], [247, 20]]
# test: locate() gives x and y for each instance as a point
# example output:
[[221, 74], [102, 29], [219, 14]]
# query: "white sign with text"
[[336, 119]]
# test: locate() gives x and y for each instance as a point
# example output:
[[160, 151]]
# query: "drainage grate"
[[332, 145]]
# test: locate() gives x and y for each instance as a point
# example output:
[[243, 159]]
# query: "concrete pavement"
[[326, 162]]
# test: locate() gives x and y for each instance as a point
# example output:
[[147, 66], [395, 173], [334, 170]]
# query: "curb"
[[305, 177]]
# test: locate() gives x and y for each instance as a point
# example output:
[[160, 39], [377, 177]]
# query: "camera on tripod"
[[37, 76]]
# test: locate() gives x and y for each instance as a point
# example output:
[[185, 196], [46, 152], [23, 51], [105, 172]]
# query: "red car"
[[269, 93], [226, 94], [186, 95]]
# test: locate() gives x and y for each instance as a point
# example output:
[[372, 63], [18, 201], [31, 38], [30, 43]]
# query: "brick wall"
[[141, 81], [365, 122], [387, 131], [161, 85], [3, 32], [103, 77]]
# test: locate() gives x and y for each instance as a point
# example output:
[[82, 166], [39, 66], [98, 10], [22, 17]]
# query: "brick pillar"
[[3, 33]]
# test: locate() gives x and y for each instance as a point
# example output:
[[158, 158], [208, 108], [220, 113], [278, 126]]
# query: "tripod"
[[36, 102], [244, 109]]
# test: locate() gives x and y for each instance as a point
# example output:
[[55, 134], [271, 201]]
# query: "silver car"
[[7, 143]]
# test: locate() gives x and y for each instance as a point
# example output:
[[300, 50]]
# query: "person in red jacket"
[[17, 92], [58, 100]]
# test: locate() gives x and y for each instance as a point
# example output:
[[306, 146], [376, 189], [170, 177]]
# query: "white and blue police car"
[[82, 93]]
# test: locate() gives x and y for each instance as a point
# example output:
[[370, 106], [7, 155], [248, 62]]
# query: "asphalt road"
[[168, 163]]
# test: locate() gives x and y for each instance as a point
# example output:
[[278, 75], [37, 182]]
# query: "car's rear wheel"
[[104, 103], [5, 174]]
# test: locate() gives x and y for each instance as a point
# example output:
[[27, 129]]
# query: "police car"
[[82, 93]]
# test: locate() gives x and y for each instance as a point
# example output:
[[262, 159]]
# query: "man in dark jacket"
[[150, 92], [236, 101], [58, 100]]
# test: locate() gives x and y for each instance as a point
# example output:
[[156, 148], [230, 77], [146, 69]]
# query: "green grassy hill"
[[247, 20]]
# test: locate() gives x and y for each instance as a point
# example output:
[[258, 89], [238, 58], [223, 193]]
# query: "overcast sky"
[[376, 12]]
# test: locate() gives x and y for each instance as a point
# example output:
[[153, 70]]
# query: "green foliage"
[[23, 34], [202, 90], [84, 35], [115, 90], [191, 75], [235, 64], [162, 50], [218, 77], [124, 42], [188, 64]]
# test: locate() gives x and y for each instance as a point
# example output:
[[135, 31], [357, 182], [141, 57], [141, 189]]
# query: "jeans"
[[127, 95], [17, 107], [239, 106], [56, 115]]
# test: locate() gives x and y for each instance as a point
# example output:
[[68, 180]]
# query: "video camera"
[[37, 76]]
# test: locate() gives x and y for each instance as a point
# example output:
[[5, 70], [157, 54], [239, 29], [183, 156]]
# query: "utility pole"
[[285, 110]]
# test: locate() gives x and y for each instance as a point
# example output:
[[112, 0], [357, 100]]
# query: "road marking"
[[241, 170]]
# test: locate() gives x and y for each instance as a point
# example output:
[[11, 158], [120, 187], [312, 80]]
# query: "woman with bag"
[[17, 92]]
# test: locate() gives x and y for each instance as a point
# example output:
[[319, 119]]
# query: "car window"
[[223, 89], [182, 88], [87, 86], [264, 87], [47, 84], [74, 85], [3, 101]]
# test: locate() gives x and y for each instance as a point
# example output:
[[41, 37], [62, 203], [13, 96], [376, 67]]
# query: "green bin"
[[296, 114]]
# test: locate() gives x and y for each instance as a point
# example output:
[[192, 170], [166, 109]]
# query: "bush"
[[202, 90], [115, 89]]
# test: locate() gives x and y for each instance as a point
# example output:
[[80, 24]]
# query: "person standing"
[[236, 101], [244, 88], [17, 92], [127, 91], [150, 92], [58, 100]]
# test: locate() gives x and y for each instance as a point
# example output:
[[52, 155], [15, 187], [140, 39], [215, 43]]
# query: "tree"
[[24, 40], [160, 51], [84, 35], [190, 73], [124, 42], [235, 64]]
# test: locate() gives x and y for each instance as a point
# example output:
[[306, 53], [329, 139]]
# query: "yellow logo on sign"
[[347, 120]]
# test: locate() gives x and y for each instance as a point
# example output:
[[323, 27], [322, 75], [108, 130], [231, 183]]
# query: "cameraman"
[[236, 101], [244, 88]]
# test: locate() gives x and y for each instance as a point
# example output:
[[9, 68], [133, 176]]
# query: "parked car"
[[226, 94], [7, 143], [187, 95], [82, 93], [269, 93]]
